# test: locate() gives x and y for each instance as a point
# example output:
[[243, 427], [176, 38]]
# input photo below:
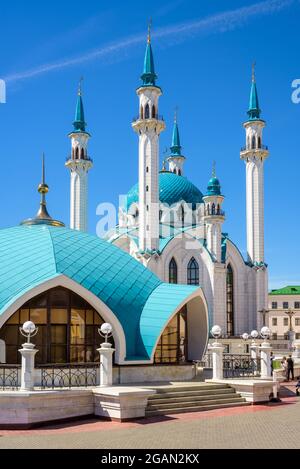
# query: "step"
[[187, 398], [152, 413], [170, 406], [171, 395], [196, 387]]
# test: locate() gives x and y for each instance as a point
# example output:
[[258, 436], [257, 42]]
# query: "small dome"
[[172, 189], [214, 187]]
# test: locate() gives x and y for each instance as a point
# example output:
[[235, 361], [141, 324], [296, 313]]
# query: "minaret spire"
[[42, 216], [254, 154], [176, 159], [79, 164], [148, 127]]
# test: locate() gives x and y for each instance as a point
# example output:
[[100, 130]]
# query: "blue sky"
[[203, 53]]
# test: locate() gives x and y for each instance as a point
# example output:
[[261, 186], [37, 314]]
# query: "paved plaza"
[[261, 426]]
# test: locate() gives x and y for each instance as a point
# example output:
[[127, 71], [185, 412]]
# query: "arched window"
[[173, 343], [82, 153], [160, 215], [179, 172], [253, 143], [147, 169], [213, 209], [141, 113], [259, 142], [147, 111], [67, 328], [218, 209], [153, 112], [147, 188], [193, 272], [230, 301], [173, 271], [76, 153]]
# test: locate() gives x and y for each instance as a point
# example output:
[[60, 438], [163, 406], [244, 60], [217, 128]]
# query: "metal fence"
[[68, 375], [240, 366], [9, 377]]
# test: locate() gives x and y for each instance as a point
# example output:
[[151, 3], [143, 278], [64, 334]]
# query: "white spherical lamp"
[[265, 332]]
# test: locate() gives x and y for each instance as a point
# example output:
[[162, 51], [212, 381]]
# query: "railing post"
[[265, 356], [253, 355], [217, 350], [296, 353], [27, 370]]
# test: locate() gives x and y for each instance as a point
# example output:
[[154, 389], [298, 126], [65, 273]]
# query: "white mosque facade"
[[162, 277]]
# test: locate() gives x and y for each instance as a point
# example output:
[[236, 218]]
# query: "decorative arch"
[[153, 112], [173, 271], [147, 111], [193, 272], [63, 281]]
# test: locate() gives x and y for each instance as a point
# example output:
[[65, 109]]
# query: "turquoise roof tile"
[[172, 189], [31, 255]]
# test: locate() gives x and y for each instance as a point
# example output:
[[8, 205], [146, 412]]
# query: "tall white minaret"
[[214, 217], [254, 154], [79, 164], [148, 126]]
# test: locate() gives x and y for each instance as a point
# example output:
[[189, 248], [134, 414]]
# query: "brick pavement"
[[262, 426]]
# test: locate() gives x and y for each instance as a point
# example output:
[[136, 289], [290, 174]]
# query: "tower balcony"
[[87, 159], [157, 117], [262, 147]]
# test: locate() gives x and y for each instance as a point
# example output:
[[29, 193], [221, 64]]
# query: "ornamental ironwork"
[[69, 375], [9, 377], [240, 366]]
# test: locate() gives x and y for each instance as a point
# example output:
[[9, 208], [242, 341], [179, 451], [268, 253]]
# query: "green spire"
[[175, 147], [254, 110], [148, 77], [79, 123]]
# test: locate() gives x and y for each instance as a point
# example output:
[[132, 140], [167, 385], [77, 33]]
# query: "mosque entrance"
[[67, 329]]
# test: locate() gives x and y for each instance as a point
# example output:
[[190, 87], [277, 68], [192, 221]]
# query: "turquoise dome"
[[214, 186], [172, 189], [33, 255]]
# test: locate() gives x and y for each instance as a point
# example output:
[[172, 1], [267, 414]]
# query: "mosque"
[[162, 277]]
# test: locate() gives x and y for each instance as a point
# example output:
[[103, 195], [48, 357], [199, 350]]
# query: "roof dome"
[[214, 186], [172, 189], [32, 255]]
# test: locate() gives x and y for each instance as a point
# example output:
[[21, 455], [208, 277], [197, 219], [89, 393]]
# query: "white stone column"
[[27, 370], [106, 368], [217, 350], [253, 353], [265, 363]]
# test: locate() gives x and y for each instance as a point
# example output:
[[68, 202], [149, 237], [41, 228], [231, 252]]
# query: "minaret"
[[176, 159], [148, 126], [79, 164], [42, 217], [214, 217], [254, 155]]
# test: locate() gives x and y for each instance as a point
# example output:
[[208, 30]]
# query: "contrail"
[[220, 23]]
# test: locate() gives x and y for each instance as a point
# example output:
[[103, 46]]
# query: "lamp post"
[[106, 353], [291, 333], [28, 352], [265, 353], [264, 312], [217, 353], [254, 348]]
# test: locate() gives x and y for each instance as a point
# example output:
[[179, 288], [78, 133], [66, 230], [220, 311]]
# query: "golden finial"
[[43, 188], [213, 173], [253, 72], [42, 217], [80, 86], [149, 31]]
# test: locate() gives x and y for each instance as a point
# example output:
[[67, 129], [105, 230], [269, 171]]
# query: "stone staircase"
[[175, 399]]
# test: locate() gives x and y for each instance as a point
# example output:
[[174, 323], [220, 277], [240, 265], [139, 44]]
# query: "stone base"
[[252, 390], [126, 374], [121, 403], [34, 408]]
